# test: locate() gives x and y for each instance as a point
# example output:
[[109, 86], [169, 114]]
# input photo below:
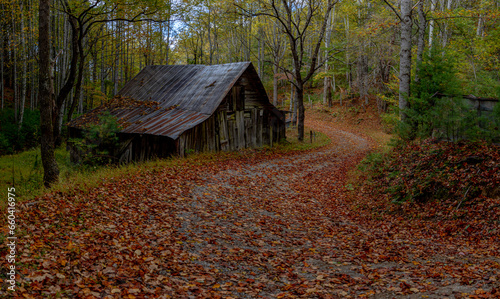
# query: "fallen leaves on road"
[[280, 225]]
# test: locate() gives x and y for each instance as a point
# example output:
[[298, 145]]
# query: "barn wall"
[[240, 122]]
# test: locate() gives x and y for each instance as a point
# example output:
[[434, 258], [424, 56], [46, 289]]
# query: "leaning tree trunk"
[[405, 57], [78, 89], [68, 85], [50, 168]]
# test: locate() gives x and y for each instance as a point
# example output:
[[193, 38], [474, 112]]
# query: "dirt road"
[[282, 227]]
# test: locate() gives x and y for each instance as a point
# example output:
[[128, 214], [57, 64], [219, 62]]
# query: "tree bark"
[[405, 57], [422, 24], [50, 168], [209, 34], [68, 85], [275, 85], [14, 67], [167, 51], [22, 100], [327, 88], [348, 63], [2, 56], [79, 81], [431, 25]]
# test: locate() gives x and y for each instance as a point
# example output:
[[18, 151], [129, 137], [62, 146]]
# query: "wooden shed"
[[179, 109]]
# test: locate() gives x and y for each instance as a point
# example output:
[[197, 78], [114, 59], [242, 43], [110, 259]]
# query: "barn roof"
[[167, 100]]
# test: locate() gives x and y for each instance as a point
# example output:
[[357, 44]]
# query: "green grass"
[[293, 144], [24, 170]]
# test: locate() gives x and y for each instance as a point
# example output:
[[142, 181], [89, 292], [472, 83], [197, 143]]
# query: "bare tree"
[[296, 18], [276, 43]]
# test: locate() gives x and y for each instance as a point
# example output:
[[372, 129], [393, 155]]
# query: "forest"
[[386, 185], [350, 49]]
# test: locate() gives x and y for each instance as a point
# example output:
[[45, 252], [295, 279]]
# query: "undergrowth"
[[427, 171]]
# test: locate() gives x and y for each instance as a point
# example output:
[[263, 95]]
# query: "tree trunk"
[[68, 85], [348, 67], [210, 46], [362, 72], [14, 67], [2, 54], [275, 85], [405, 57], [103, 72], [278, 52], [32, 62], [431, 25], [293, 117], [327, 89], [78, 86], [421, 38], [167, 51], [445, 32], [50, 168], [259, 61], [301, 111], [22, 100]]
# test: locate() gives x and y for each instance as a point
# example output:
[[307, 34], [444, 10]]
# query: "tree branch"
[[394, 10]]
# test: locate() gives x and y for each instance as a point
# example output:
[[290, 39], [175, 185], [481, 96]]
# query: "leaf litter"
[[276, 225]]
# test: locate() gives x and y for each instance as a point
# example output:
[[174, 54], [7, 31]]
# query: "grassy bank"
[[24, 171]]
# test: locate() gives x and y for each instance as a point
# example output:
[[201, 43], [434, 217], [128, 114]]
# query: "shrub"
[[443, 117], [99, 141], [422, 171]]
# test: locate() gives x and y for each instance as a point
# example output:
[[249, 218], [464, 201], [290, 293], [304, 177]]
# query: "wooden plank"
[[271, 135], [224, 137], [240, 125], [204, 137], [254, 113], [230, 134], [248, 136], [234, 139], [258, 131], [212, 135], [265, 128]]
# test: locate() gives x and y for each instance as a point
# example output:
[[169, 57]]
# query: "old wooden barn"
[[179, 109]]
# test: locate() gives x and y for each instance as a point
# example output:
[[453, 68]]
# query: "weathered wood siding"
[[241, 121]]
